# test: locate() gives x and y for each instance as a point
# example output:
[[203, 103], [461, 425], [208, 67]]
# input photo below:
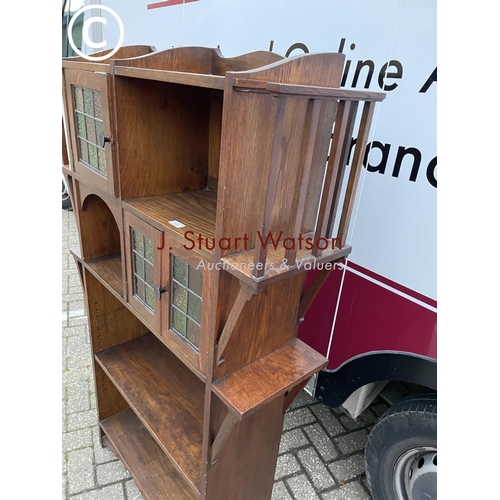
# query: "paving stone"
[[77, 375], [328, 419], [280, 492], [303, 399], [78, 346], [133, 492], [78, 404], [76, 330], [111, 472], [316, 468], [351, 491], [64, 486], [349, 468], [82, 320], [292, 439], [301, 488], [286, 465], [113, 492], [80, 470], [81, 420], [322, 441], [77, 439], [354, 441], [297, 418]]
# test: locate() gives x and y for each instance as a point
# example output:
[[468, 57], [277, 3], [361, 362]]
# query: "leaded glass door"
[[90, 128], [184, 323], [144, 277]]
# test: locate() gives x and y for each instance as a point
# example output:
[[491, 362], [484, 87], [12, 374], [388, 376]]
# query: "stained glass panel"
[[187, 286], [78, 93], [150, 296], [88, 101], [94, 162]]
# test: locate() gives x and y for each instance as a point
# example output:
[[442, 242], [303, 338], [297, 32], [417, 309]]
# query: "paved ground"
[[321, 452]]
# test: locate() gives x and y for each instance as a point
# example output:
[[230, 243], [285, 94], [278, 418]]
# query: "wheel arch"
[[334, 387]]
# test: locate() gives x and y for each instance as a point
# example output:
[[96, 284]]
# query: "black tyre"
[[401, 451]]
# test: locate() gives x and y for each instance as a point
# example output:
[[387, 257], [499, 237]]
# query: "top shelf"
[[195, 66]]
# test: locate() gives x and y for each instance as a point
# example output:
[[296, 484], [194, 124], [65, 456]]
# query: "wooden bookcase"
[[178, 161]]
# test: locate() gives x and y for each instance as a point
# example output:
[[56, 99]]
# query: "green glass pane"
[[93, 161], [149, 249], [194, 307], [195, 280], [179, 296], [138, 242], [78, 93], [97, 105], [139, 288], [102, 160], [180, 270], [149, 273], [90, 130], [150, 297], [193, 332], [84, 152], [99, 134], [80, 123], [139, 266], [178, 322], [88, 102]]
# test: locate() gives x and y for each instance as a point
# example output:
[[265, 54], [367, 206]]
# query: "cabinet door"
[[88, 113], [143, 263], [186, 313]]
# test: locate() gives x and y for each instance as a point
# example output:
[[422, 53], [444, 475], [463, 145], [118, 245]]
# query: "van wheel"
[[401, 452]]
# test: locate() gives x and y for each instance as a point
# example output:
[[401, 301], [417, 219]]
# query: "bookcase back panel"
[[163, 138]]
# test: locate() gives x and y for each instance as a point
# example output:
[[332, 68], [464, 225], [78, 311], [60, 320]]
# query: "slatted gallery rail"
[[344, 105]]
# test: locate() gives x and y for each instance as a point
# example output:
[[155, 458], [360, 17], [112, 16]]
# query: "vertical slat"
[[362, 140], [344, 124], [291, 254], [260, 251], [346, 147]]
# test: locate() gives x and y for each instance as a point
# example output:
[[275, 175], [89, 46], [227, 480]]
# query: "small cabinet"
[[168, 288], [90, 127]]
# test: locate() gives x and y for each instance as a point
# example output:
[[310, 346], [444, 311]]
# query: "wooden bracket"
[[222, 435], [244, 295], [292, 394], [311, 293]]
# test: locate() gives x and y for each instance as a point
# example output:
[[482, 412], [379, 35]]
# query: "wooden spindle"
[[359, 153], [291, 254], [260, 252], [344, 124]]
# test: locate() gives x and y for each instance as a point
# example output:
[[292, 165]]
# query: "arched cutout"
[[101, 229]]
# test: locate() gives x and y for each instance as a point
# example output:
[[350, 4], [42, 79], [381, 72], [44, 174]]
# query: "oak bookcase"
[[181, 162]]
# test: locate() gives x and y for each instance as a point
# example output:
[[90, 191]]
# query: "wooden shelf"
[[165, 395], [194, 79], [258, 383], [196, 210], [108, 270], [238, 264], [151, 469]]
